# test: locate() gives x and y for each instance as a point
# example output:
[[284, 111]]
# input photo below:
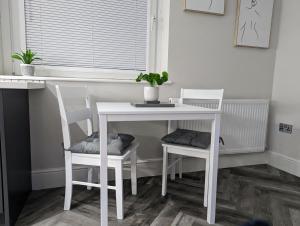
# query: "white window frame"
[[157, 51]]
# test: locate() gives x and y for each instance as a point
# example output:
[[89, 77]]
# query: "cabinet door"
[[17, 151], [1, 187]]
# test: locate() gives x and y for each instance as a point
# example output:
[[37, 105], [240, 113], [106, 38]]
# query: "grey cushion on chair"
[[116, 144], [189, 138]]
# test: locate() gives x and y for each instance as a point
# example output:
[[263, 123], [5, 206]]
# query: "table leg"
[[213, 170], [172, 126], [103, 170]]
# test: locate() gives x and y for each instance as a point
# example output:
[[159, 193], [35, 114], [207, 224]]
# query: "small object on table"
[[153, 104]]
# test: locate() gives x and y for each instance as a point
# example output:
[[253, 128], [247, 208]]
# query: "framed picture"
[[253, 23], [206, 6]]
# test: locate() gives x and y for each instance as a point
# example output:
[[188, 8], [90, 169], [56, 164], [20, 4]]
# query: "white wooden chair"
[[84, 113], [180, 150]]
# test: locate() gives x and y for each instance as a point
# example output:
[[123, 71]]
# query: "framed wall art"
[[206, 6], [253, 23]]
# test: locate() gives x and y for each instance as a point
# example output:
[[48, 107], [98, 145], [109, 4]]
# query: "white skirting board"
[[284, 163], [51, 178]]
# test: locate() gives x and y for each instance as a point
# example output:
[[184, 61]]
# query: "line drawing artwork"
[[254, 19], [207, 6], [250, 24], [210, 4]]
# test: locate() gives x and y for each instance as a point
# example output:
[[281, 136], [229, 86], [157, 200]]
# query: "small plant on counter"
[[154, 79], [26, 57]]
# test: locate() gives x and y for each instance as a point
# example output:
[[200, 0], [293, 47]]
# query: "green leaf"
[[165, 76], [17, 57], [139, 78]]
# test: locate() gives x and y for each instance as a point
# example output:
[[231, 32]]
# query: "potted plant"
[[151, 92], [26, 58]]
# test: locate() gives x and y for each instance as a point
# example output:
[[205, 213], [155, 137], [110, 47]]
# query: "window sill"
[[70, 79]]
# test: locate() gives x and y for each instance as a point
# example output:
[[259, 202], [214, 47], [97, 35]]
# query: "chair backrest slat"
[[72, 96], [79, 115]]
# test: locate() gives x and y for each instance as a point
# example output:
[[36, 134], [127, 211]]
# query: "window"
[[101, 34]]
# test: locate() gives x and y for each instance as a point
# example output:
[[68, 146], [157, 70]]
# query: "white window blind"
[[106, 34]]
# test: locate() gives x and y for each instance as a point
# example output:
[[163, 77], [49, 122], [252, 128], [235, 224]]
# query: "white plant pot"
[[151, 93], [27, 69]]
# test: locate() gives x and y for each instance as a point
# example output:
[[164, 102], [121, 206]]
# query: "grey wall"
[[201, 55], [286, 92]]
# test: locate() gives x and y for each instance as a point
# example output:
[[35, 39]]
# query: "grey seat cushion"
[[116, 144], [189, 138]]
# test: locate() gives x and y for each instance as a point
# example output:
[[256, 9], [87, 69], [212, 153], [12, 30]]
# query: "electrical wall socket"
[[285, 128]]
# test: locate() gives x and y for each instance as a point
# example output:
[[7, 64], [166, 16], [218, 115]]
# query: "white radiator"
[[243, 125]]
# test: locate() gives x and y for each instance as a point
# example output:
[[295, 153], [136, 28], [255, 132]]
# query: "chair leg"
[[133, 173], [119, 190], [90, 177], [69, 186], [173, 169], [164, 172], [180, 167], [206, 182]]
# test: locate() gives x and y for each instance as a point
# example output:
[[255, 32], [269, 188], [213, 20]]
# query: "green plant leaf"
[[165, 76], [17, 57], [140, 77]]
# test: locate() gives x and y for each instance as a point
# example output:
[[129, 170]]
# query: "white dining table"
[[120, 112]]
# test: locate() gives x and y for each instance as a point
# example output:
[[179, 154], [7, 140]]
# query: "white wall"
[[1, 52], [286, 92], [5, 15], [201, 55]]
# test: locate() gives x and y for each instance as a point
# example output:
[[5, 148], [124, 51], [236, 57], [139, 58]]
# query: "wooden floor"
[[244, 193]]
